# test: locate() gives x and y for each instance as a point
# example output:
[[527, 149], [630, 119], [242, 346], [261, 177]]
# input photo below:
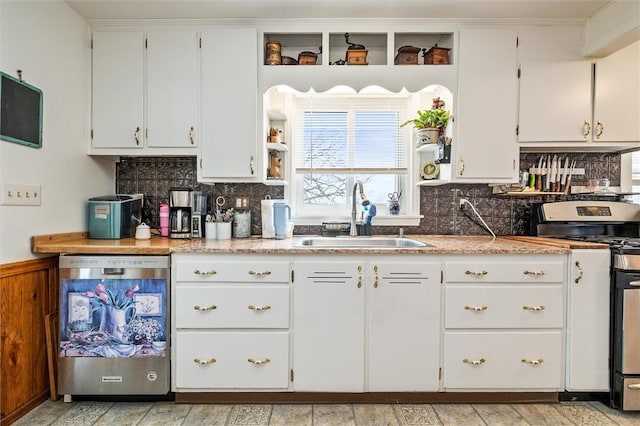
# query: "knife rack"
[[542, 171]]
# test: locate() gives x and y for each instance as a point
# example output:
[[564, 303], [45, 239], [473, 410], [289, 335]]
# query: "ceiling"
[[275, 9]]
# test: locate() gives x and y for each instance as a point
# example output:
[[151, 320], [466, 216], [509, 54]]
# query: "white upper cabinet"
[[229, 142], [172, 88], [117, 83], [617, 96], [567, 101], [145, 92], [486, 149]]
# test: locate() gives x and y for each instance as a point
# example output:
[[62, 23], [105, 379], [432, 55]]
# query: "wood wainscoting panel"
[[28, 292]]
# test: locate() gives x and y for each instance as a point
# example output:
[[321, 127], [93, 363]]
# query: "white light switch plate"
[[19, 195]]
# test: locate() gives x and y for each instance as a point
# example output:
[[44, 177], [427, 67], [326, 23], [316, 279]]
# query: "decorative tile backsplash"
[[154, 176]]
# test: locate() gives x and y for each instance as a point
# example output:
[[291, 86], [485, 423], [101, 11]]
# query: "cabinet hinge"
[[440, 373], [146, 43], [292, 276], [291, 375], [146, 133], [200, 42], [91, 134], [91, 43], [519, 72], [517, 41], [441, 276], [201, 163], [517, 130]]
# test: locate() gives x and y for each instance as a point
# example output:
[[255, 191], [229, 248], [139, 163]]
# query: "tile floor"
[[83, 413]]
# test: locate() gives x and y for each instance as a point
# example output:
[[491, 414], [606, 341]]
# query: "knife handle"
[[538, 182]]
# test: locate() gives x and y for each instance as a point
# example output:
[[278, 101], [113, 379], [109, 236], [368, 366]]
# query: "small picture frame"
[[79, 308], [148, 304]]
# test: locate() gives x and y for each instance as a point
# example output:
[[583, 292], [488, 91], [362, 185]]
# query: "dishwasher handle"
[[113, 271]]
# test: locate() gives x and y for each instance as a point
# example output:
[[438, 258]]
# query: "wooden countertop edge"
[[570, 244], [79, 243]]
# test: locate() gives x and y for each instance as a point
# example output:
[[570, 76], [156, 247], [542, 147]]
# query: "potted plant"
[[430, 122]]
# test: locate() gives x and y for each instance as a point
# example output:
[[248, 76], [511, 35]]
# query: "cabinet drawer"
[[251, 272], [232, 360], [497, 360], [500, 272], [232, 307], [503, 306]]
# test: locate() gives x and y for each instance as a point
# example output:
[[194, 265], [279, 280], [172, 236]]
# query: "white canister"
[[223, 230], [242, 224], [210, 230]]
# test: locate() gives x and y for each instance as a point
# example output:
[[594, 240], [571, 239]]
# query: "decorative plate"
[[429, 170]]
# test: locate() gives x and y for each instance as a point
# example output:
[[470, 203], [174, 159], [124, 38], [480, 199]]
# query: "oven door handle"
[[635, 283]]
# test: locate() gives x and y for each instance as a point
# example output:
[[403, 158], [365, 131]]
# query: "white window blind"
[[350, 135]]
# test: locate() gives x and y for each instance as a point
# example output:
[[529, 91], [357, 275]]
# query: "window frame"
[[315, 215]]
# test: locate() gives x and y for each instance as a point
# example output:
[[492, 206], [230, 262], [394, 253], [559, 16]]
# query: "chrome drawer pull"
[[634, 283], [476, 308], [532, 361], [534, 273], [259, 361], [474, 362], [260, 274], [533, 308], [204, 361], [476, 274], [634, 386], [259, 308], [205, 308], [198, 272]]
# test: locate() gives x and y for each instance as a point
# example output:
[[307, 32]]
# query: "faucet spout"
[[365, 202]]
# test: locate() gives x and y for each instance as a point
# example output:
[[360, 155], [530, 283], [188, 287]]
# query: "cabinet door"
[[117, 90], [328, 318], [486, 148], [617, 97], [555, 101], [588, 321], [172, 88], [403, 305], [228, 147]]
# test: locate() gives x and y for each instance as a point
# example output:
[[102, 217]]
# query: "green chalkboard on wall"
[[20, 112]]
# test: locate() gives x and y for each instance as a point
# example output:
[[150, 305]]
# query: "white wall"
[[48, 41]]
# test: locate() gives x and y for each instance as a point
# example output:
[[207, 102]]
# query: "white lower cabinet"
[[209, 359], [366, 324], [588, 321], [504, 323], [230, 317], [512, 360]]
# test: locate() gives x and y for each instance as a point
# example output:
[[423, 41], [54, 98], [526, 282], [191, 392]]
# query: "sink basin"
[[361, 242]]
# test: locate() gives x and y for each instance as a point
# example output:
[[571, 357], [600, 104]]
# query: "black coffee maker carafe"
[[180, 213]]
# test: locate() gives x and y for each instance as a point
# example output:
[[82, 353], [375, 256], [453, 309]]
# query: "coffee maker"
[[180, 213], [198, 214]]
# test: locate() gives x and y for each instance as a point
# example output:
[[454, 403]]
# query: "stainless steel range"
[[618, 225]]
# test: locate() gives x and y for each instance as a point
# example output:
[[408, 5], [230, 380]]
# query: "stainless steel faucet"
[[358, 184]]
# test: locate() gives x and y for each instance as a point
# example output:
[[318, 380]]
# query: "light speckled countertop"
[[441, 244]]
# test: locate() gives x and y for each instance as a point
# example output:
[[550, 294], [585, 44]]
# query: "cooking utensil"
[[538, 174], [565, 171]]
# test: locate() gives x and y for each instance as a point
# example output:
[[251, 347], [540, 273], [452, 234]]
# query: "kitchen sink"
[[361, 242]]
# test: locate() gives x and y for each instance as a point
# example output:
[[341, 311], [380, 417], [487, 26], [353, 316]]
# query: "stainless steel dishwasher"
[[114, 325]]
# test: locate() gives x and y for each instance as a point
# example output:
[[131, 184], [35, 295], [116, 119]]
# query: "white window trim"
[[412, 199]]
